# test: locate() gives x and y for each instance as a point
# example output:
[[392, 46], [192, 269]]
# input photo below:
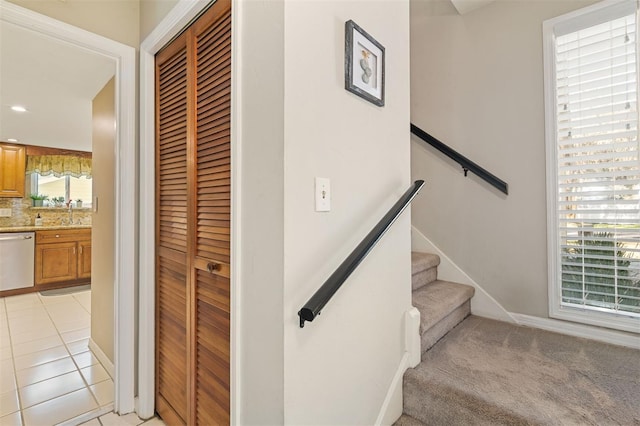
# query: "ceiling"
[[55, 81]]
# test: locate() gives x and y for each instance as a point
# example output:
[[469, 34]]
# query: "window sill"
[[620, 322], [49, 208]]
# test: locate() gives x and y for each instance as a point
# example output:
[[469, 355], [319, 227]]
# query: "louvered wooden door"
[[193, 222], [172, 291]]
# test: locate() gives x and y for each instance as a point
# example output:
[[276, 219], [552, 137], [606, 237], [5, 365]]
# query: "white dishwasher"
[[16, 260]]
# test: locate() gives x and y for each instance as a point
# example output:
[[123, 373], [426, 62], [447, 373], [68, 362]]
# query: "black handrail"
[[313, 307], [467, 165]]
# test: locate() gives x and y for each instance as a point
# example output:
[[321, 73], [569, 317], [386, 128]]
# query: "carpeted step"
[[487, 372], [442, 305], [424, 269]]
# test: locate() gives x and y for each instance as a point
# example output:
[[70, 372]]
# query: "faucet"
[[70, 213]]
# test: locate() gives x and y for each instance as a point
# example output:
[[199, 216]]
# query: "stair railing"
[[467, 165], [312, 308]]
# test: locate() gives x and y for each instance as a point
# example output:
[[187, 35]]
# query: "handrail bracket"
[[466, 164]]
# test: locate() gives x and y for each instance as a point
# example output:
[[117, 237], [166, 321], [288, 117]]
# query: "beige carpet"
[[486, 372]]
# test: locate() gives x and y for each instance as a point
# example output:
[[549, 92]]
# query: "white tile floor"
[[48, 375]]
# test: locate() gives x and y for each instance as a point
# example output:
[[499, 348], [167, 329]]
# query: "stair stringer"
[[393, 404], [482, 303]]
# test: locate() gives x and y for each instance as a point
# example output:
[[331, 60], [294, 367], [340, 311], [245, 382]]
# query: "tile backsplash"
[[23, 214]]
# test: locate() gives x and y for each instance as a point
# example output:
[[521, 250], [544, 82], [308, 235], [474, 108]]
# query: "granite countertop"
[[32, 228]]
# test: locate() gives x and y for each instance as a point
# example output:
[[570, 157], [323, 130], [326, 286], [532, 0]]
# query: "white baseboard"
[[392, 406], [482, 304], [613, 337], [104, 359]]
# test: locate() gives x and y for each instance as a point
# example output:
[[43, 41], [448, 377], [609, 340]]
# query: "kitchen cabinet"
[[84, 259], [12, 169], [62, 255]]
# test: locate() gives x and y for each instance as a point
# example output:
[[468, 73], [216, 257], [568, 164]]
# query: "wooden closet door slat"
[[213, 227], [171, 233], [193, 222]]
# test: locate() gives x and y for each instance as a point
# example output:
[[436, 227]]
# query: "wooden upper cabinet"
[[12, 169]]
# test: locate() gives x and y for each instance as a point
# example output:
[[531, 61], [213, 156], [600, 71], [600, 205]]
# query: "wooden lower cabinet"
[[56, 262], [84, 259], [62, 255]]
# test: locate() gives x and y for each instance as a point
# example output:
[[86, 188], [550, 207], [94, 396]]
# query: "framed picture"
[[363, 64]]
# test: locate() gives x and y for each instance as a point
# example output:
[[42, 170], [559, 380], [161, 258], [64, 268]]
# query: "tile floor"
[[48, 375]]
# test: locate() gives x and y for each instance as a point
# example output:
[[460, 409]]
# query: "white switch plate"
[[5, 212], [323, 194]]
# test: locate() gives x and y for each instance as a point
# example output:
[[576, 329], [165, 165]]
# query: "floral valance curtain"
[[59, 165]]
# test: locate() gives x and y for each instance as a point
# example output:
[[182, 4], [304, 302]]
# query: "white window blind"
[[598, 168]]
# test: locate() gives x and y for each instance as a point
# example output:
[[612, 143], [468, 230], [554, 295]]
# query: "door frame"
[[125, 193], [182, 14]]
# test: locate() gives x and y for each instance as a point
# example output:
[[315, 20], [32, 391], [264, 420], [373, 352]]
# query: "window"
[[67, 187], [61, 175], [593, 165]]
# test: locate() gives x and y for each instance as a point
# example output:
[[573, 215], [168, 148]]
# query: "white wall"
[[476, 84], [117, 20], [260, 137], [338, 369], [103, 220], [151, 13]]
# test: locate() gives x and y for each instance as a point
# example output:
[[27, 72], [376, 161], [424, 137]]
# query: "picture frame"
[[363, 64]]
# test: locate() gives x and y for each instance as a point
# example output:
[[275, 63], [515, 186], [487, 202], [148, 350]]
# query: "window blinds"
[[598, 167]]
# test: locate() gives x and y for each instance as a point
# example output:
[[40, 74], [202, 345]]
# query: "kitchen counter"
[[33, 228]]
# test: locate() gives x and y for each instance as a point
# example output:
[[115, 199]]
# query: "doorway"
[[125, 205]]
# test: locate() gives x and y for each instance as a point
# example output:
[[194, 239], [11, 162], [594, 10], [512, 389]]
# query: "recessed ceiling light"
[[12, 140], [18, 108]]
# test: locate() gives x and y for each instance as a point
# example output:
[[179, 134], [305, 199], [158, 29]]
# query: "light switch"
[[5, 212], [323, 194]]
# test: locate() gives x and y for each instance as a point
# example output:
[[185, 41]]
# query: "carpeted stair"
[[442, 304], [486, 372]]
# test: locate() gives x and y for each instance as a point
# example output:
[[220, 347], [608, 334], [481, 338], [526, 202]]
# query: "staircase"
[[442, 304], [477, 371]]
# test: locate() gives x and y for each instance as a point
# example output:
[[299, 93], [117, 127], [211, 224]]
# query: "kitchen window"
[[68, 187], [60, 175], [593, 165]]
